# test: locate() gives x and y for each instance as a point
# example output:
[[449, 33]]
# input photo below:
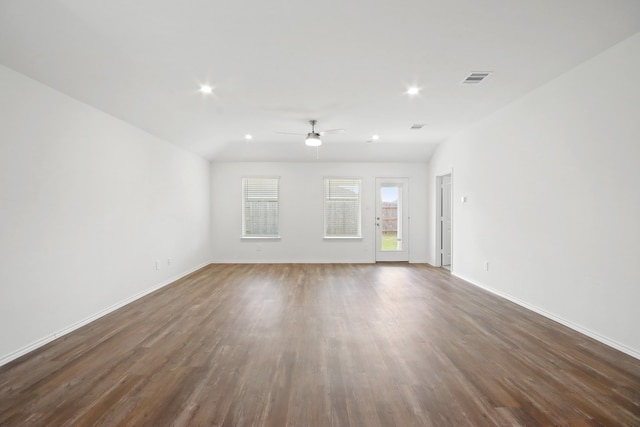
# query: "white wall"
[[301, 212], [88, 203], [553, 188]]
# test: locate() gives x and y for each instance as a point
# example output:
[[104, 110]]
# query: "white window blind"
[[342, 216], [260, 207]]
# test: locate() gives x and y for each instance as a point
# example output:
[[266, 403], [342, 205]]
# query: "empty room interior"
[[319, 214]]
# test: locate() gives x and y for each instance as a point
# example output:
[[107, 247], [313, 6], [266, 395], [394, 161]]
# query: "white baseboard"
[[297, 261], [310, 261], [42, 341], [569, 324]]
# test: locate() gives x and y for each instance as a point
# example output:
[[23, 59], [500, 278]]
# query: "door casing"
[[438, 210]]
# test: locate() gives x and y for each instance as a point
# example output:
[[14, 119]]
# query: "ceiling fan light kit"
[[313, 140]]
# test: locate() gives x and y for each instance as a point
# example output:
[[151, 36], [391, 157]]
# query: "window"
[[342, 207], [260, 207]]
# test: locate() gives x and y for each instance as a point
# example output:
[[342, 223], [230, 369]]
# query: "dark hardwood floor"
[[321, 345]]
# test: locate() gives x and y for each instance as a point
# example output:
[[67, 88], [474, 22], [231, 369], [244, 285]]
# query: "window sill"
[[260, 238], [341, 238]]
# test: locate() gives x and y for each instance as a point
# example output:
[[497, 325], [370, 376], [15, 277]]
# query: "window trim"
[[324, 208], [243, 236]]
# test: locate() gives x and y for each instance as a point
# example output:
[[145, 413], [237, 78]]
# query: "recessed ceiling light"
[[375, 137], [206, 89], [248, 137], [413, 90]]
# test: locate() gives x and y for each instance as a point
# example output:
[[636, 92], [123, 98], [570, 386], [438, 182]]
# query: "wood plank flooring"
[[321, 345]]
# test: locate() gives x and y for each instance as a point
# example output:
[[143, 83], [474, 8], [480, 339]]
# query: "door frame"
[[406, 219], [438, 242]]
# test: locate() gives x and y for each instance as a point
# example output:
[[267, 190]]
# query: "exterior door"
[[392, 219], [445, 221]]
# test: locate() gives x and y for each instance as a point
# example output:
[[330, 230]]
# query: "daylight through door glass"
[[390, 226]]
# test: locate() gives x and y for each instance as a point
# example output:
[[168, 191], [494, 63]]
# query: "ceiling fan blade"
[[291, 133], [330, 131]]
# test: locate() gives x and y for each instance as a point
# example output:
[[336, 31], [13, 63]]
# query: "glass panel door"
[[392, 219]]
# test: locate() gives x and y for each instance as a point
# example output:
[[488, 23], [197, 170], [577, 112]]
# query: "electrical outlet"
[[168, 261], [486, 266], [157, 264]]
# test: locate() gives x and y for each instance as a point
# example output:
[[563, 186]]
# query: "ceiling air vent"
[[475, 77], [418, 126]]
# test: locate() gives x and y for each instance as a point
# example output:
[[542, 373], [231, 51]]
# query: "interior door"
[[445, 221], [392, 219]]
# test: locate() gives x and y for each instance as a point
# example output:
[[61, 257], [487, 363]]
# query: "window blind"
[[342, 210], [260, 207]]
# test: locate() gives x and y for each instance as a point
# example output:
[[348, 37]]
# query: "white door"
[[392, 219], [445, 221]]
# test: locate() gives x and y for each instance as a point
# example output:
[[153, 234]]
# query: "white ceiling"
[[276, 64]]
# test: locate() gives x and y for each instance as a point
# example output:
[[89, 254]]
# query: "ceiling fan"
[[313, 138]]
